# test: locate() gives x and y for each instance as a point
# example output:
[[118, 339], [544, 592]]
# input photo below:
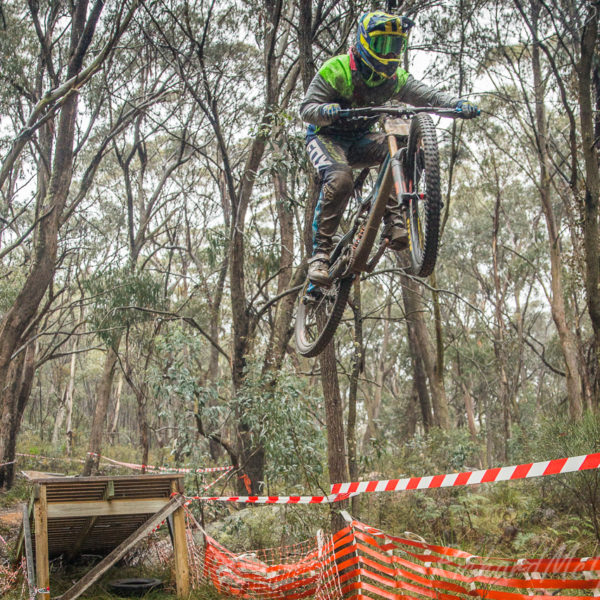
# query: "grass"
[[61, 582]]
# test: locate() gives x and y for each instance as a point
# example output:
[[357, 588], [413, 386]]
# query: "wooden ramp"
[[101, 515]]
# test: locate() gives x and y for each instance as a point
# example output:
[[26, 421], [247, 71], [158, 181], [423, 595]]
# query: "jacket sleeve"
[[417, 93], [319, 92]]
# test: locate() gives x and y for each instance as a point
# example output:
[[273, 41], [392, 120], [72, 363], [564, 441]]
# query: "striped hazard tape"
[[343, 491], [272, 499], [140, 467], [524, 471]]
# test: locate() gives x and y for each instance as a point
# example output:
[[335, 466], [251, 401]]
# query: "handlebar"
[[394, 111]]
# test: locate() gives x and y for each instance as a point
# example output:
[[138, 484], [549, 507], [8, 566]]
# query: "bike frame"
[[390, 177]]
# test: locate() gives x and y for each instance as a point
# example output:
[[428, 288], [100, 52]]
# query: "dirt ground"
[[10, 518]]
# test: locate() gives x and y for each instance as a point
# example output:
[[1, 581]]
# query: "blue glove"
[[329, 112], [468, 109]]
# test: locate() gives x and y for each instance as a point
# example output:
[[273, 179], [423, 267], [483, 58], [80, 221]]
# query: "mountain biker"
[[370, 74]]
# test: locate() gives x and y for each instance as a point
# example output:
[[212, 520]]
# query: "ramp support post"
[[42, 566], [180, 549]]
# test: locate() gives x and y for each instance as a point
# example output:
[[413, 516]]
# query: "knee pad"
[[337, 183]]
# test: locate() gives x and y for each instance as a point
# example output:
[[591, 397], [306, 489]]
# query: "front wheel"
[[319, 313], [422, 166]]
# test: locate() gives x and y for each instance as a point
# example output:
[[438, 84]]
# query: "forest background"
[[155, 210]]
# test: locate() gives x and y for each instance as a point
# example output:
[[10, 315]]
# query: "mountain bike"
[[411, 171]]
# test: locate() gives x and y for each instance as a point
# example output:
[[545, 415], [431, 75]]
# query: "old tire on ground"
[[135, 586]]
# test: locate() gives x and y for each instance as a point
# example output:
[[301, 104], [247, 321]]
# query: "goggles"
[[383, 45]]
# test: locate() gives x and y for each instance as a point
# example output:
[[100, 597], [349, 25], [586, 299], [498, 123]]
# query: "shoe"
[[397, 235], [318, 269]]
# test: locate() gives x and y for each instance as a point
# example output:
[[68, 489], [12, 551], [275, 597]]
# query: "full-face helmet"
[[381, 39]]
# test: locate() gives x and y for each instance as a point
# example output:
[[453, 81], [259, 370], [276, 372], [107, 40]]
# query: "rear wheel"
[[423, 175], [319, 314]]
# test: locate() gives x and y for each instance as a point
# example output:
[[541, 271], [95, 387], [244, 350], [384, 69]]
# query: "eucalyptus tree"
[[564, 39], [231, 59], [43, 99], [144, 160], [529, 76]]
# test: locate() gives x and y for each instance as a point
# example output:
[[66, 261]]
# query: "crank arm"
[[371, 264]]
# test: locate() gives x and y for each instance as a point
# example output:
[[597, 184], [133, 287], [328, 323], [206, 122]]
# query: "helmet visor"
[[383, 45]]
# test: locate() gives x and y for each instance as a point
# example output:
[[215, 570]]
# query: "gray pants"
[[334, 158]]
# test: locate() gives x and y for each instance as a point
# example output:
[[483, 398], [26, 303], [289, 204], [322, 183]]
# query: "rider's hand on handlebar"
[[331, 112], [468, 109]]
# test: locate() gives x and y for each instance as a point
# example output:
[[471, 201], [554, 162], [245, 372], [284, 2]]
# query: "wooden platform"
[[69, 516]]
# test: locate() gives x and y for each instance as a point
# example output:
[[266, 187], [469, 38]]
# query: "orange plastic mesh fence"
[[303, 570], [372, 564], [363, 562]]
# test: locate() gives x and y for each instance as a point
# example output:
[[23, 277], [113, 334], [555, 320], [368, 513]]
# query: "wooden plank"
[[28, 551], [21, 538], [100, 508], [109, 492], [180, 551], [92, 576], [76, 481], [42, 567]]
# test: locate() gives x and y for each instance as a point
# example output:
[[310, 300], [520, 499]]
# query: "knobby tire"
[[327, 314], [423, 174]]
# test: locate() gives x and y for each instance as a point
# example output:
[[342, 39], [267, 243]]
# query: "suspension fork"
[[397, 170]]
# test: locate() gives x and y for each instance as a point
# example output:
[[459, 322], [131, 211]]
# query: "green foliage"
[[278, 411], [181, 392], [11, 283], [118, 300], [439, 452], [269, 526], [575, 493]]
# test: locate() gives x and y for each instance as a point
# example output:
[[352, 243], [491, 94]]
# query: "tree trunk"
[[282, 330], [102, 400], [499, 332], [373, 402], [60, 417], [590, 132], [357, 368], [114, 428], [422, 349], [143, 425], [559, 316], [15, 397], [334, 418], [18, 318], [69, 404]]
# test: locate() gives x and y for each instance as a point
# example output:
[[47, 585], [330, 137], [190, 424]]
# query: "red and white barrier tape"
[[272, 499], [209, 485], [12, 462], [41, 456], [123, 464], [162, 469], [524, 471]]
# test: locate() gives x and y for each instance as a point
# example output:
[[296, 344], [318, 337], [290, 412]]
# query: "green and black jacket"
[[339, 81]]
